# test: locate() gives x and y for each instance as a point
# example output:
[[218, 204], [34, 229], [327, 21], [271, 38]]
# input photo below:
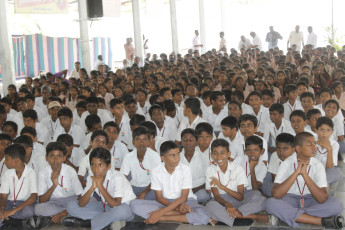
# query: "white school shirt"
[[75, 131], [118, 152], [196, 41], [263, 157], [312, 40], [178, 116], [38, 149], [51, 125], [341, 100], [40, 113], [339, 115], [42, 134], [236, 146], [246, 109], [116, 185], [107, 98], [185, 124], [3, 168], [125, 134], [69, 184], [76, 156], [87, 140], [141, 174], [158, 142], [274, 163], [37, 162], [321, 153], [285, 127], [76, 118], [307, 128], [171, 185], [198, 166], [103, 114], [206, 155], [316, 170], [144, 110], [260, 170], [27, 182], [264, 120], [215, 119], [233, 177], [15, 119], [168, 130], [84, 166], [39, 103], [257, 41], [288, 108], [338, 127]]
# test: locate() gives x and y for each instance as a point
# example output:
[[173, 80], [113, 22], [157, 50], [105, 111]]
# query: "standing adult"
[[296, 38], [129, 49], [312, 38], [222, 43], [196, 42], [256, 41], [244, 43], [75, 71], [272, 38], [146, 47], [98, 62]]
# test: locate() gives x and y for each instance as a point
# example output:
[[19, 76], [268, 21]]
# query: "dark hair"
[[193, 104], [81, 104], [142, 90], [312, 112], [112, 124], [248, 117], [137, 119], [255, 93], [4, 136], [325, 90], [167, 146], [2, 109], [220, 142], [301, 137], [101, 153], [204, 127], [277, 107], [114, 102], [12, 124], [141, 130], [65, 111], [306, 94], [92, 100], [298, 113], [59, 146], [30, 97], [254, 140], [29, 130], [100, 133], [286, 138], [130, 100], [239, 94], [92, 120], [215, 95], [267, 92], [236, 103], [169, 105], [163, 90], [24, 140], [189, 131], [16, 151], [324, 121], [150, 126], [289, 88], [66, 139], [333, 102], [174, 91], [155, 106], [6, 100], [230, 121], [100, 100], [30, 113]]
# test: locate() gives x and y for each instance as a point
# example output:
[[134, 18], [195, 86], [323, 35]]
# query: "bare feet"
[[213, 222]]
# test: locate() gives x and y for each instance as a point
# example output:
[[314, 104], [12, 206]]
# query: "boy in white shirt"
[[30, 119], [5, 141], [10, 128], [312, 116], [327, 149], [331, 110], [117, 149], [139, 163], [165, 128], [292, 104], [10, 117], [198, 163], [216, 113], [52, 121], [172, 183], [285, 147], [37, 149], [204, 131], [58, 185], [155, 141], [67, 127], [227, 182], [18, 191], [74, 154], [173, 112], [93, 123], [299, 123], [105, 199], [300, 193], [142, 102]]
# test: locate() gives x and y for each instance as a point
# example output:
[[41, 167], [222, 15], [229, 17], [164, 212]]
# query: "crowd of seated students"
[[198, 139]]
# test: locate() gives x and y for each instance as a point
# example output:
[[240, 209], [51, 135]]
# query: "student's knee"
[[40, 209], [335, 205], [270, 205], [211, 206], [72, 205], [27, 211], [136, 206], [123, 212]]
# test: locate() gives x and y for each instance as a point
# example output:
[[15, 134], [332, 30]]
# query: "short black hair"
[[92, 100], [230, 121], [81, 104], [300, 138], [216, 94], [254, 140], [277, 107], [189, 131], [6, 100], [169, 105], [24, 140], [167, 146], [174, 91], [137, 119], [150, 126], [29, 130], [141, 130], [66, 139], [334, 102], [248, 117], [236, 103], [65, 111], [59, 146], [267, 92], [204, 127], [325, 90], [100, 133], [2, 109], [298, 113], [130, 100], [306, 94], [4, 136], [239, 94], [155, 106], [324, 121], [114, 102], [193, 104], [16, 151], [91, 120], [30, 113], [163, 90], [289, 88], [12, 124], [112, 124], [312, 112], [255, 93], [220, 142], [101, 153], [286, 138]]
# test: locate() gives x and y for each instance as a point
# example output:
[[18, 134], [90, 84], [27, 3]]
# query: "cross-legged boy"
[[227, 182], [172, 183], [105, 198], [300, 190]]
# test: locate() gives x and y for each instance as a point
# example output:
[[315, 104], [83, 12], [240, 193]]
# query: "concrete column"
[[84, 36], [6, 49], [138, 36], [202, 25], [173, 22]]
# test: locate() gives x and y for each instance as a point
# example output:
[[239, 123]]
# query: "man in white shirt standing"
[[75, 71], [196, 42], [296, 38], [256, 41], [98, 62], [244, 43], [312, 38], [222, 43]]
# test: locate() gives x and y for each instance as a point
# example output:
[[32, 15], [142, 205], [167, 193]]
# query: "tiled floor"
[[338, 190]]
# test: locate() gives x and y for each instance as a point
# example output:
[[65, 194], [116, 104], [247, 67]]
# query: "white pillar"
[[173, 22], [6, 50], [202, 25], [84, 36], [138, 36]]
